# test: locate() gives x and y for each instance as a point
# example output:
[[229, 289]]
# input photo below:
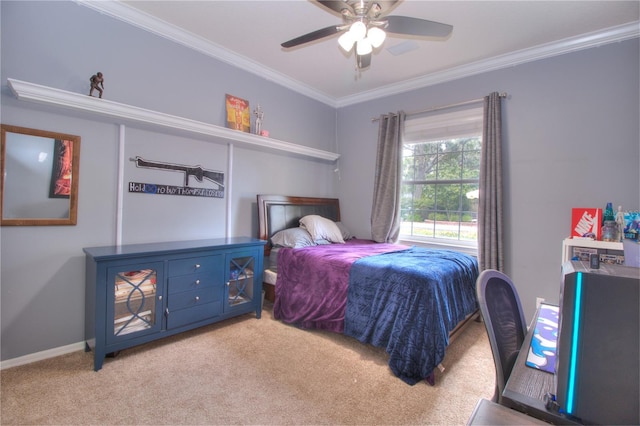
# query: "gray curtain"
[[490, 230], [385, 213]]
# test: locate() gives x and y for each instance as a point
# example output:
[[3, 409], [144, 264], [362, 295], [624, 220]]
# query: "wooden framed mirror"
[[39, 181]]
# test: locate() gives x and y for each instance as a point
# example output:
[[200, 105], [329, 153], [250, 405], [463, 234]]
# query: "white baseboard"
[[39, 356]]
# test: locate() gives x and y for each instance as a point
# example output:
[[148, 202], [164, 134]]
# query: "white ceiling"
[[486, 35]]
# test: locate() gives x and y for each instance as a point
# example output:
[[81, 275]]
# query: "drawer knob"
[[197, 282], [197, 298], [197, 266]]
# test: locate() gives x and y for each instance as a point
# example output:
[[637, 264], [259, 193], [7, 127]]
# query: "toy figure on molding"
[[259, 117], [97, 83]]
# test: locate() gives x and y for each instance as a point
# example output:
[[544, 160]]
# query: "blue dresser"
[[142, 292]]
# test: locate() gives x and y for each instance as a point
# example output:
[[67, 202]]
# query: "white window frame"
[[437, 127]]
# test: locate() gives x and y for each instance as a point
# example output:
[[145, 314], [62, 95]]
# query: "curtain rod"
[[438, 108]]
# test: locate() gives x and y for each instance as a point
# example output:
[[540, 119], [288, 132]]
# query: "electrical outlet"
[[539, 300]]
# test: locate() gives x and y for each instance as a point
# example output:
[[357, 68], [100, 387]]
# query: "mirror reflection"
[[39, 177]]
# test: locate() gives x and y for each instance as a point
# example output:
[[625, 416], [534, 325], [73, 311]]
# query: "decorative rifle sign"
[[196, 171]]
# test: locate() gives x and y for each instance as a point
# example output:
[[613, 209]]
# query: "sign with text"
[[198, 172], [161, 189]]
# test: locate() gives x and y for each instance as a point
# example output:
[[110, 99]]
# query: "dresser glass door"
[[135, 297], [240, 282]]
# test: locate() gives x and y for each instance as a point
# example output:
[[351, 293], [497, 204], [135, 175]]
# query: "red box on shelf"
[[586, 222]]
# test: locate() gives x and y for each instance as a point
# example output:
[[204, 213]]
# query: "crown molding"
[[144, 21], [149, 23], [548, 50]]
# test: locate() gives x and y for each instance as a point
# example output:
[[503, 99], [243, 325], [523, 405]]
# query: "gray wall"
[[571, 139], [60, 45]]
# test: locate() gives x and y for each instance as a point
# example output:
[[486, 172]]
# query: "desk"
[[490, 413], [527, 386]]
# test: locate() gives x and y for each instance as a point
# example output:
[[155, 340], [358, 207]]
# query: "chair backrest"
[[502, 314]]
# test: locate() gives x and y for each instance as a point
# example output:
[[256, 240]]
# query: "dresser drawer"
[[192, 265], [196, 313], [189, 299], [194, 282]]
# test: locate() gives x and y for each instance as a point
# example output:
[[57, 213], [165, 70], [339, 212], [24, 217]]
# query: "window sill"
[[469, 249]]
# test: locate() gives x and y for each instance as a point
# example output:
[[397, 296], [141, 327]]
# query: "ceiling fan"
[[365, 26]]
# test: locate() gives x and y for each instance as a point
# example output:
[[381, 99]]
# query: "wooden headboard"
[[278, 212]]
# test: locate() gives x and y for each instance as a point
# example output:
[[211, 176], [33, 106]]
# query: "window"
[[440, 177]]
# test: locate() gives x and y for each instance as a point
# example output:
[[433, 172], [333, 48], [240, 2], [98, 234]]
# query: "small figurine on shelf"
[[620, 222], [259, 114], [97, 83]]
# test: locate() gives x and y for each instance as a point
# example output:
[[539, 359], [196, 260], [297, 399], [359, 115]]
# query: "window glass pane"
[[471, 165], [473, 144], [426, 167], [447, 197], [449, 227], [440, 192], [408, 167], [449, 165], [421, 163]]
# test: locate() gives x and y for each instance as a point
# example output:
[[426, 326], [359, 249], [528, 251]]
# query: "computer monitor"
[[597, 373]]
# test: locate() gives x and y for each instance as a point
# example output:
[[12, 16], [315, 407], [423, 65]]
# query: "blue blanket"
[[408, 302]]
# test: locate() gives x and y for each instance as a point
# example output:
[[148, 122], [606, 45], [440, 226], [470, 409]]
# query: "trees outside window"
[[440, 181]]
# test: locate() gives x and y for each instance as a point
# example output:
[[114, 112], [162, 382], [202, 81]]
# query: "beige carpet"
[[248, 371]]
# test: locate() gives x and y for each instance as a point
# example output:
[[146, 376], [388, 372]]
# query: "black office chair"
[[502, 314]]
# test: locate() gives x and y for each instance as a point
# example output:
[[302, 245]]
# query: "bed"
[[409, 300]]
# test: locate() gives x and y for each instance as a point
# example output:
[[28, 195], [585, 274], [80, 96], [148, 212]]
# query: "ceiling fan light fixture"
[[363, 47], [364, 25], [376, 36], [346, 41], [358, 30]]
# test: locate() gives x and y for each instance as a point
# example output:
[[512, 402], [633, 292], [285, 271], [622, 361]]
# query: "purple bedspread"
[[311, 288]]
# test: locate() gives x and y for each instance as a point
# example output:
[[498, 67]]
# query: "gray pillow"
[[346, 234], [292, 238], [322, 228]]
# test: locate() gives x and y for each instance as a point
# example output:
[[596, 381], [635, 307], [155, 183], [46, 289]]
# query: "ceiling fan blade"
[[363, 61], [417, 27], [312, 36]]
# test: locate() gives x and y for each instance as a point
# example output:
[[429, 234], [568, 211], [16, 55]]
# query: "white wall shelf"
[[47, 95], [569, 243]]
